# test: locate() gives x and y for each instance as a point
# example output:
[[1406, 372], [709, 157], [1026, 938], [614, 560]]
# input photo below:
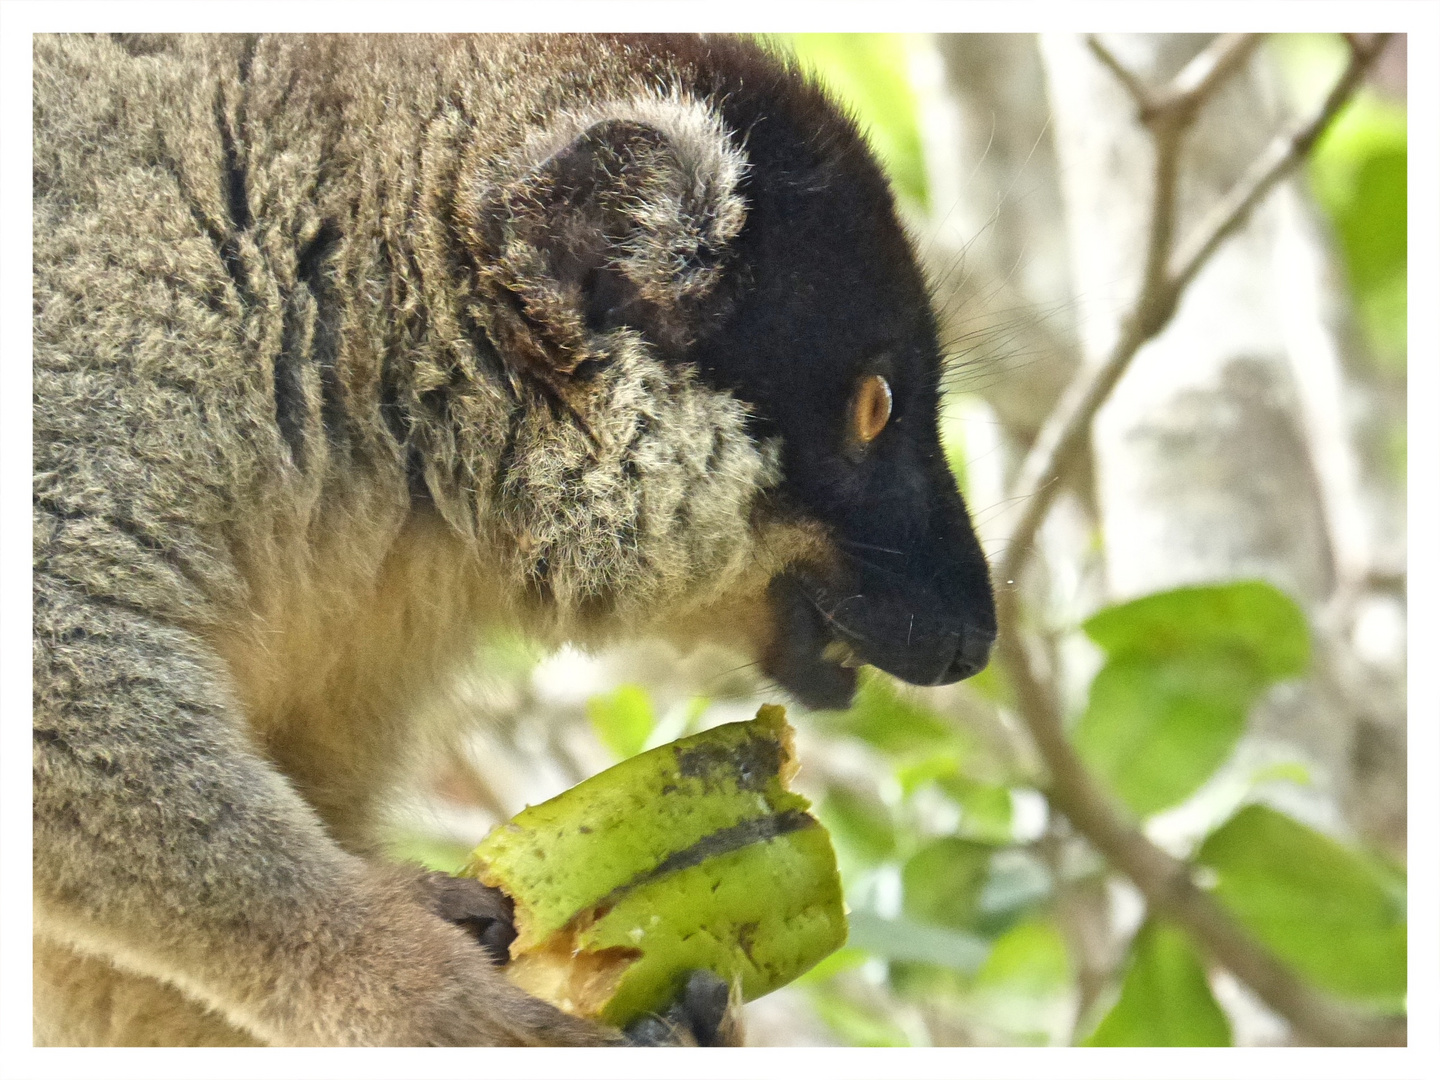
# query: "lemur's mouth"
[[806, 656], [822, 635]]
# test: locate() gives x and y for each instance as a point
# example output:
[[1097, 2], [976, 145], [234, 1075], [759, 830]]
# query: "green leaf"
[[1030, 960], [1154, 730], [1185, 667], [861, 828], [623, 719], [906, 939], [844, 958], [986, 809], [913, 775], [891, 720], [1329, 911], [869, 74], [857, 1026], [1165, 999], [1250, 618], [1369, 206], [1358, 174], [942, 881]]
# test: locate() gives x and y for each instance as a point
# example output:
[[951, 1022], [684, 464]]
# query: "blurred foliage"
[[1337, 915], [1029, 960], [1357, 173], [1165, 999], [1359, 178], [952, 441], [890, 719], [910, 940], [861, 828], [623, 719], [431, 852], [943, 879], [1184, 669], [859, 1025], [956, 905], [974, 930]]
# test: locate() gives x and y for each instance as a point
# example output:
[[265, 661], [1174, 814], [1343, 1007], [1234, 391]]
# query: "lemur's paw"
[[700, 1016], [486, 914]]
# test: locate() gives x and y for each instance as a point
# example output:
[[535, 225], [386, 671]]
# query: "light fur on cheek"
[[651, 513]]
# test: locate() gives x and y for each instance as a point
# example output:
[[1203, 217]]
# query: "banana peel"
[[692, 855]]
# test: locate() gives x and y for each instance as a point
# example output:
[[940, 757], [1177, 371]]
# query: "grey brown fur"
[[241, 606], [304, 423]]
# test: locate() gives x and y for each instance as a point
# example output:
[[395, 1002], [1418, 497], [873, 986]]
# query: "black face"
[[824, 295]]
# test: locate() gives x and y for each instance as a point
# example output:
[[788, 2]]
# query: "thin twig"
[[1168, 140], [1191, 88], [1168, 114], [1138, 91], [1198, 79], [1062, 434], [1282, 155], [1165, 881]]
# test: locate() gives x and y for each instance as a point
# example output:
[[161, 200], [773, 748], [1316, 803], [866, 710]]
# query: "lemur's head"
[[728, 223]]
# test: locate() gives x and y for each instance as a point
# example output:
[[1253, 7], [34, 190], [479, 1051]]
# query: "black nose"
[[971, 655]]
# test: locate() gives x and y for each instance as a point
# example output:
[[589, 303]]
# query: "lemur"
[[348, 349]]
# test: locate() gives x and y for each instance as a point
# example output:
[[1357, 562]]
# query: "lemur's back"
[[245, 263], [264, 385]]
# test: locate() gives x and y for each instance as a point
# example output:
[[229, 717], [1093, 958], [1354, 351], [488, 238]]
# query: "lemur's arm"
[[165, 843]]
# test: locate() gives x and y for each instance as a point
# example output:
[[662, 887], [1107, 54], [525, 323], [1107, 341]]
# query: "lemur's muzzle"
[[912, 631]]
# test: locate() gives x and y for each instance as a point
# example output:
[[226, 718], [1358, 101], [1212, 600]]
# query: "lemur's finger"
[[486, 914]]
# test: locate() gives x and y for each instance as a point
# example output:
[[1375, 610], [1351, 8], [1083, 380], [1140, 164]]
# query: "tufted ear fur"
[[615, 219]]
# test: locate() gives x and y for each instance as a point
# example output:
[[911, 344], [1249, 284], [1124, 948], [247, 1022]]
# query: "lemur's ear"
[[621, 221]]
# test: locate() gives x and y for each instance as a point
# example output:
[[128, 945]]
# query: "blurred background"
[[1218, 595]]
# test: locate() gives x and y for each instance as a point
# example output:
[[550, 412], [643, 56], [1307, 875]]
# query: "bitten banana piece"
[[692, 855]]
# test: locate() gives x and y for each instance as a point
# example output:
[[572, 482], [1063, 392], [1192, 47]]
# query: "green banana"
[[692, 855]]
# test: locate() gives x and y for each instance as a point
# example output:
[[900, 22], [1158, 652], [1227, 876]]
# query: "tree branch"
[[1199, 78], [1165, 882], [1069, 423], [1282, 155], [1174, 105], [1138, 91]]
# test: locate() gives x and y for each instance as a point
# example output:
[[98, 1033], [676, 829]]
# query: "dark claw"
[[486, 914], [706, 1000], [651, 1031], [700, 1016]]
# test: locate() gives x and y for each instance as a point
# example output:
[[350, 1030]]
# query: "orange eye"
[[870, 411]]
